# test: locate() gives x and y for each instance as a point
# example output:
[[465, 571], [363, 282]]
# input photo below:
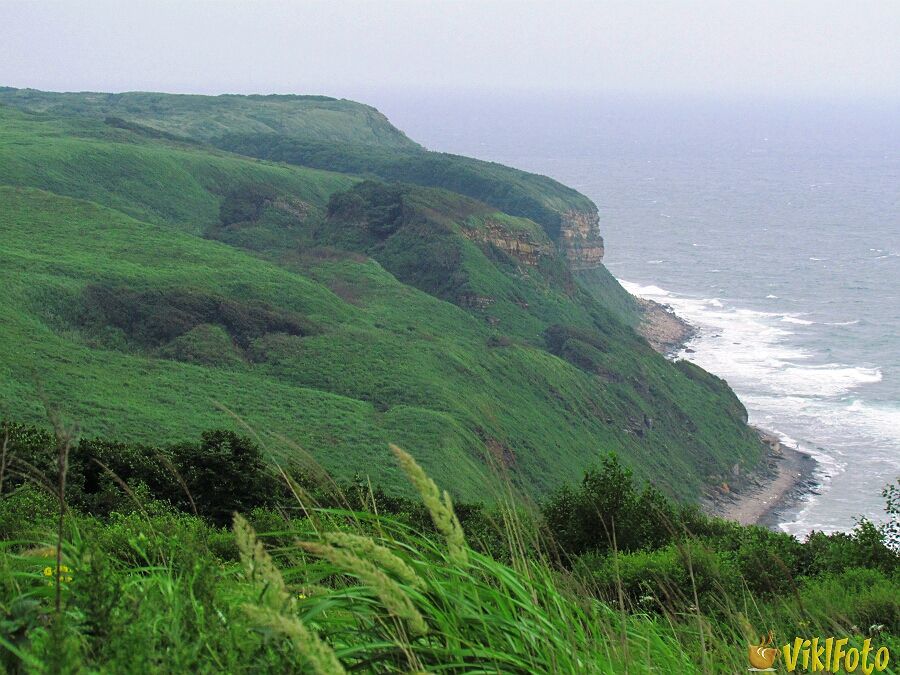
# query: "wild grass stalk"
[[440, 507], [275, 605]]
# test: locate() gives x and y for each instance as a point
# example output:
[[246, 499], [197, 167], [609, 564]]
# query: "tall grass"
[[340, 590]]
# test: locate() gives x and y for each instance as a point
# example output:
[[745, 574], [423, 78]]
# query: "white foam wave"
[[771, 297], [785, 386], [749, 349], [842, 323], [650, 292], [882, 420]]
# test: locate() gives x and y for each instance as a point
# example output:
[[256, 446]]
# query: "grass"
[[319, 132], [398, 355], [206, 117], [147, 589], [154, 181]]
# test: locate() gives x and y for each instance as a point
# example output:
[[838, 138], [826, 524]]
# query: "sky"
[[819, 49]]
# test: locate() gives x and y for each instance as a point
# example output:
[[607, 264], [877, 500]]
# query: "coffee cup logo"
[[763, 655]]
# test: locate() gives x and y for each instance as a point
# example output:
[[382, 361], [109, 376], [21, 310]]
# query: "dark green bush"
[[225, 473], [245, 204], [152, 318], [608, 512], [221, 474]]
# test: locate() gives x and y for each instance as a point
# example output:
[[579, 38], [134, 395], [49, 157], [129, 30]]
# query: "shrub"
[[225, 473], [607, 511], [152, 318], [245, 204]]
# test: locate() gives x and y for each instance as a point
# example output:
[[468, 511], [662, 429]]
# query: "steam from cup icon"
[[762, 656]]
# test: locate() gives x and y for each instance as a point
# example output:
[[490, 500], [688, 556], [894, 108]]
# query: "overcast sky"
[[848, 48]]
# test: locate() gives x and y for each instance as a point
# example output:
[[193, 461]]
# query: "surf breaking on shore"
[[787, 476]]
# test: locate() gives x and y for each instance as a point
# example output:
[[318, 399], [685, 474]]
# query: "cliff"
[[522, 245], [579, 239]]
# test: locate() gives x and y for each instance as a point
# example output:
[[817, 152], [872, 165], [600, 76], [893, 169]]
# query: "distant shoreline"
[[778, 483]]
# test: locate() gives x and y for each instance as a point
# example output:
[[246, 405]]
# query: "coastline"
[[666, 332], [772, 489], [784, 476]]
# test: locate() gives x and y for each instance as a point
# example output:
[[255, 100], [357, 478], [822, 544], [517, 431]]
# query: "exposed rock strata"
[[580, 240], [517, 244]]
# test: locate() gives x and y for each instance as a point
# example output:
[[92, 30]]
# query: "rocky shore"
[[785, 474], [666, 332], [762, 497]]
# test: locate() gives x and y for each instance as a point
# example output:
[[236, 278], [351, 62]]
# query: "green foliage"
[[607, 512], [384, 362], [213, 478], [518, 193], [154, 283], [225, 473], [245, 204], [362, 587], [206, 117], [156, 317]]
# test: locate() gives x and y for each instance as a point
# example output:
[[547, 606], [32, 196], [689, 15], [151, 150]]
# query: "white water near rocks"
[[788, 390], [772, 226]]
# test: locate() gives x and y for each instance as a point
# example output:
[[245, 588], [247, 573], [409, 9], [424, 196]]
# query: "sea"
[[772, 225]]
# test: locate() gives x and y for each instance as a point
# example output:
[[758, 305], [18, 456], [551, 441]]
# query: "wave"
[[815, 404], [882, 419], [750, 349]]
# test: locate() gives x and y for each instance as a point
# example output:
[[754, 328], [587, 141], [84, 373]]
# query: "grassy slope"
[[147, 179], [321, 133], [204, 117], [389, 363]]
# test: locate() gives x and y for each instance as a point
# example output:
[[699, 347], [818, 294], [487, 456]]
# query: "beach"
[[783, 477], [763, 495]]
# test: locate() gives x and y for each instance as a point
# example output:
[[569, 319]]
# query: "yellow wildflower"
[[65, 575]]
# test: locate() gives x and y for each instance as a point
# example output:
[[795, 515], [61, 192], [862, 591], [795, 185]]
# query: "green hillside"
[[319, 118], [516, 192], [319, 132], [156, 286]]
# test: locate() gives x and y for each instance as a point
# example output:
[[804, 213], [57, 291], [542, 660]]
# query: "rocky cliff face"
[[579, 239], [517, 244]]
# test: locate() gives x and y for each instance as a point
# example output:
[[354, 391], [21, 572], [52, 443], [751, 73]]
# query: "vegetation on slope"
[[154, 180], [353, 315], [607, 577], [518, 193], [402, 364], [321, 118], [319, 132]]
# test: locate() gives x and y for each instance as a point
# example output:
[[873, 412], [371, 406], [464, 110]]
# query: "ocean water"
[[773, 226]]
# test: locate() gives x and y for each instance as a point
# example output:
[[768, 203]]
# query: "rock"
[[515, 243], [664, 330], [580, 241]]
